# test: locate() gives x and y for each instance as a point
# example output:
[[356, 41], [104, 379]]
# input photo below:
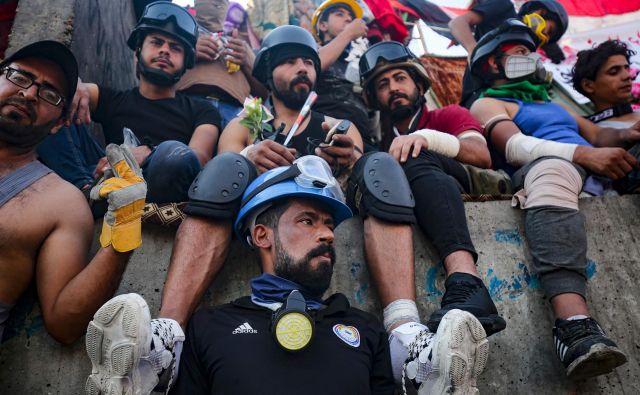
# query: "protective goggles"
[[308, 172], [159, 13], [389, 51], [537, 24]]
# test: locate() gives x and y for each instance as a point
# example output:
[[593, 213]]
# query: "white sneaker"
[[454, 359], [116, 339], [129, 351]]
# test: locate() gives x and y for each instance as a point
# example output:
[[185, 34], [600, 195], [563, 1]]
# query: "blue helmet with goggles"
[[309, 177]]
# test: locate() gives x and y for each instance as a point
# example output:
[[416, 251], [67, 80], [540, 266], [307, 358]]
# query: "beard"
[[404, 111], [14, 134], [290, 97], [314, 280]]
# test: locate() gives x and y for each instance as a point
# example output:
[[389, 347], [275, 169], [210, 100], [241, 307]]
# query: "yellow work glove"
[[125, 192]]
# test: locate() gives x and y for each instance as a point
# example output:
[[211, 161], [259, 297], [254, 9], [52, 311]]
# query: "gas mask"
[[292, 327], [537, 23], [527, 67]]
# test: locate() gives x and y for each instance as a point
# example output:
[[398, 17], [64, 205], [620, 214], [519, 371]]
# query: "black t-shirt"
[[306, 142], [153, 120], [493, 12], [218, 359]]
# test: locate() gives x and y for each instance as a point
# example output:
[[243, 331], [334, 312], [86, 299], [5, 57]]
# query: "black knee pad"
[[378, 187], [217, 190]]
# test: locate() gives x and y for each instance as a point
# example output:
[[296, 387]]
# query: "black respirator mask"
[[526, 67], [291, 326]]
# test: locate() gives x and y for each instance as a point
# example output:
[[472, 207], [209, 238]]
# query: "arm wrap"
[[246, 150], [442, 143], [521, 149]]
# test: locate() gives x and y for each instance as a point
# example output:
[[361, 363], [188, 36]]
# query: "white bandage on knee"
[[400, 310], [551, 182], [522, 149], [442, 143]]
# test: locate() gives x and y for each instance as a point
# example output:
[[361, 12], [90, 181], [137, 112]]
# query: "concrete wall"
[[522, 359]]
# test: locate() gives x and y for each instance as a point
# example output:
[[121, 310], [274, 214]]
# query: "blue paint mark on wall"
[[496, 285], [36, 324], [591, 269], [430, 287], [355, 269], [515, 286], [511, 236], [531, 280], [361, 293]]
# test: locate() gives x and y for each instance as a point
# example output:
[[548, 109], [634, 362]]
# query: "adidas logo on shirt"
[[244, 328]]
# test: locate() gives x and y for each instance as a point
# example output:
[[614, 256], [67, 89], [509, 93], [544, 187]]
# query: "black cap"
[[56, 52]]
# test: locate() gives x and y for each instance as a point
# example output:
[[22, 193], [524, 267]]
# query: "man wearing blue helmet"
[[375, 184], [289, 331]]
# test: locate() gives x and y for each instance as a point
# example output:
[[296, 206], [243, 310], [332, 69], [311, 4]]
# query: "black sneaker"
[[467, 292], [584, 349]]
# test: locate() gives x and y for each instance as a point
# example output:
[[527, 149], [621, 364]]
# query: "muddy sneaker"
[[584, 349], [129, 351], [467, 292], [451, 361]]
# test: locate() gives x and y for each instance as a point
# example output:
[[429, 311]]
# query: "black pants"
[[437, 183]]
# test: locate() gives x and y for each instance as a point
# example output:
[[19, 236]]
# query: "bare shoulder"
[[63, 201]]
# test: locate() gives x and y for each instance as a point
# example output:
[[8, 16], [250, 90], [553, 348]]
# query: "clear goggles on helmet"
[[537, 24], [159, 13], [308, 171], [390, 51]]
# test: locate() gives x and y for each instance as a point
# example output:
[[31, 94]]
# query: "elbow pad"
[[521, 149]]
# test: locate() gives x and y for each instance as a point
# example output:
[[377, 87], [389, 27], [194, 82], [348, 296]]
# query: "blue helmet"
[[282, 182]]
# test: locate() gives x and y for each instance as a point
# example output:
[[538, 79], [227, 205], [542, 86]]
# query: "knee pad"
[[379, 187], [173, 156], [217, 191], [551, 182]]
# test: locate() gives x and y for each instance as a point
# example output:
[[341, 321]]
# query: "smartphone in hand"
[[339, 128]]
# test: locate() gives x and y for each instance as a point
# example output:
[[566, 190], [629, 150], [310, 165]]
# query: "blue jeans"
[[169, 170], [72, 153], [227, 111]]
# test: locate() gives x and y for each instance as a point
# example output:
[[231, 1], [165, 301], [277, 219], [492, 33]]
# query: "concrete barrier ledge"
[[522, 359]]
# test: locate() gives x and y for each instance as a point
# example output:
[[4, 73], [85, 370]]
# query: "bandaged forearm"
[[521, 149], [246, 150], [442, 143]]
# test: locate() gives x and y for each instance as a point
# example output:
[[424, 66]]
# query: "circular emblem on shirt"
[[294, 331], [347, 334]]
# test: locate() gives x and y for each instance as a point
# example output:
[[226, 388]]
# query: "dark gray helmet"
[[556, 12], [387, 55], [171, 19], [279, 45], [510, 31]]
